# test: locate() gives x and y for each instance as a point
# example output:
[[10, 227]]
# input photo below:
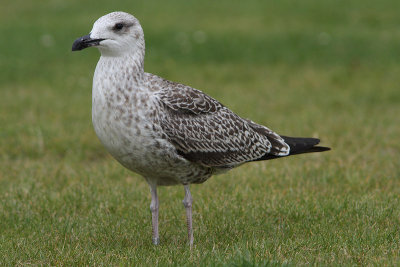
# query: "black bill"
[[84, 42]]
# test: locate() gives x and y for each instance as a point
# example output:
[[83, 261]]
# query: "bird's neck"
[[127, 65]]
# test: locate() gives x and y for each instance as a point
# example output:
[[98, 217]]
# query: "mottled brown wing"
[[185, 99], [206, 132]]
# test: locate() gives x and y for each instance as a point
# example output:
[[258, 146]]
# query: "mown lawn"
[[328, 69]]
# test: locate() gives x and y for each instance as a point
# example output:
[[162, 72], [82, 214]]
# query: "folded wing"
[[206, 132]]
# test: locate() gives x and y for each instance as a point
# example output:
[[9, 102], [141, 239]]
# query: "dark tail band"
[[299, 145]]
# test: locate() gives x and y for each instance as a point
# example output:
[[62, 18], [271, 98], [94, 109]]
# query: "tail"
[[299, 145]]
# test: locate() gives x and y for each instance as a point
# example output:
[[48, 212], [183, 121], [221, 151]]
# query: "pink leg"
[[154, 213], [187, 202]]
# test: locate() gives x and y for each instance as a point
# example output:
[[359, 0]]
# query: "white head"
[[115, 34]]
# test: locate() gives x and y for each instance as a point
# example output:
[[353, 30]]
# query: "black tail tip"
[[300, 145], [319, 149]]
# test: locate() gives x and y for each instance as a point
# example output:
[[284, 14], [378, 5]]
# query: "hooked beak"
[[84, 42]]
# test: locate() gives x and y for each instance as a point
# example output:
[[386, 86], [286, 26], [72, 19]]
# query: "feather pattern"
[[206, 132]]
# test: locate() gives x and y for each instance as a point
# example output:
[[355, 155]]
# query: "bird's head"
[[115, 34]]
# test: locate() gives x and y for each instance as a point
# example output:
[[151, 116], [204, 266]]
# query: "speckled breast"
[[124, 115], [128, 132]]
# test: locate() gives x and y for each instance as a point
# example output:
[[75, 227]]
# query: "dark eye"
[[118, 26]]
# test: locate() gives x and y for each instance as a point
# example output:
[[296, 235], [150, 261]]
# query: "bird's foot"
[[156, 240]]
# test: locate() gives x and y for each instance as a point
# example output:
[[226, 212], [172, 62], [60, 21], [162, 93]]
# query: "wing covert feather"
[[206, 132]]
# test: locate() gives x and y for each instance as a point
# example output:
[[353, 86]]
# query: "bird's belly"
[[141, 149], [131, 145]]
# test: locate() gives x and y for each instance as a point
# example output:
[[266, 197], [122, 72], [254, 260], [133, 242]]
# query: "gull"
[[169, 133]]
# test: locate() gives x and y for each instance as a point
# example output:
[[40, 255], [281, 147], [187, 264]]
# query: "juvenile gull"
[[168, 132]]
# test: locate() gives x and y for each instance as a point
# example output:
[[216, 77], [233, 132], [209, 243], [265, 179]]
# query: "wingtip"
[[319, 149]]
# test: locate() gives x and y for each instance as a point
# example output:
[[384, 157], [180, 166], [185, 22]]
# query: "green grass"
[[305, 68]]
